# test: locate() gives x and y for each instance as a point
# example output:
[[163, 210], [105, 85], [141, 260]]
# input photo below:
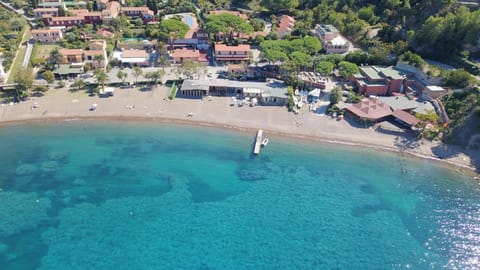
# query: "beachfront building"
[[96, 55], [232, 54], [132, 58], [267, 93], [285, 25], [47, 35], [332, 40], [370, 110], [379, 81], [179, 55], [385, 81]]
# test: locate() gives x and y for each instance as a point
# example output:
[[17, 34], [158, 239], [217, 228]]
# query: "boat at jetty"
[[264, 142]]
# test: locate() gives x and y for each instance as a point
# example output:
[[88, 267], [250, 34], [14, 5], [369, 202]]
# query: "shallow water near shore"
[[111, 195]]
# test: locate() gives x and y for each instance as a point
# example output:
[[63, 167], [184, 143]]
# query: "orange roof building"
[[239, 53], [370, 109]]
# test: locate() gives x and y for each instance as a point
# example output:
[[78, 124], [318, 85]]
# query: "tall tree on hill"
[[24, 80], [229, 24], [34, 3], [152, 5]]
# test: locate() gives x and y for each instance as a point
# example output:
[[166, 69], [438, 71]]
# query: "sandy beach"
[[132, 104]]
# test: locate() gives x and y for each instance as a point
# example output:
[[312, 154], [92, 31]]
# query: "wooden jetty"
[[258, 142]]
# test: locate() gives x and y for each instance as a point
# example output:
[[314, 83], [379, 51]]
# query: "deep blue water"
[[98, 195]]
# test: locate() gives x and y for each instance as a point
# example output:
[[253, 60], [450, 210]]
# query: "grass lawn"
[[43, 50], [17, 64]]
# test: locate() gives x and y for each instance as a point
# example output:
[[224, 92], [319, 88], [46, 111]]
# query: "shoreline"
[[245, 130], [217, 112]]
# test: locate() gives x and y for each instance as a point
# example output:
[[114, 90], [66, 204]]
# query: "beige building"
[[332, 40], [47, 35], [239, 53]]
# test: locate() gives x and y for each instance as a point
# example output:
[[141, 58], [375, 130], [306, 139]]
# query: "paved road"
[[28, 54]]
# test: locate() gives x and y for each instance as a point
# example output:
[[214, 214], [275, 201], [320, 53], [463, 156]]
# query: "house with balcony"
[[66, 21], [285, 25], [111, 10], [96, 55], [232, 54], [47, 35], [180, 55], [332, 40], [143, 12]]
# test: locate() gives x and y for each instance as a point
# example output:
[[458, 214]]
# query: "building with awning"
[[405, 118], [267, 93]]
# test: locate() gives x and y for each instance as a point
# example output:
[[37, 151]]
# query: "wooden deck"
[[258, 142]]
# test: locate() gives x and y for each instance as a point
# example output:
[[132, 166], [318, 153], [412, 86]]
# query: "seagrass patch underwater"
[[112, 195]]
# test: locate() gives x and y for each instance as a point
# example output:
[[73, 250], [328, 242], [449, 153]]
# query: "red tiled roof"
[[69, 18], [286, 23], [66, 52], [370, 109], [78, 11], [93, 52], [238, 48], [405, 117], [45, 10], [185, 53], [142, 9], [134, 54], [45, 30]]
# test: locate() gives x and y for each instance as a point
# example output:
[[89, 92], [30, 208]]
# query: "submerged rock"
[[49, 166], [25, 169]]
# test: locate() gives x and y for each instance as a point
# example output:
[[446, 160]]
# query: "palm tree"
[[137, 71], [54, 57], [121, 75], [101, 77], [155, 76], [98, 59]]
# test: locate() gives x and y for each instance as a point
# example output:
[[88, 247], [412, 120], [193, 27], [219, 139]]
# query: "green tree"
[[325, 67], [40, 89], [54, 57], [155, 76], [335, 95], [79, 84], [191, 69], [100, 77], [347, 69], [137, 71], [172, 28], [228, 23], [458, 78], [122, 76], [273, 56], [301, 60], [312, 44], [24, 80], [49, 76], [276, 6]]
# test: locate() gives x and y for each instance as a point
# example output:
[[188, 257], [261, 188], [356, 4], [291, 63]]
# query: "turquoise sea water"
[[95, 195]]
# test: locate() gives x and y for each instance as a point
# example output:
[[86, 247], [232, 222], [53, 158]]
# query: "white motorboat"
[[264, 142]]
